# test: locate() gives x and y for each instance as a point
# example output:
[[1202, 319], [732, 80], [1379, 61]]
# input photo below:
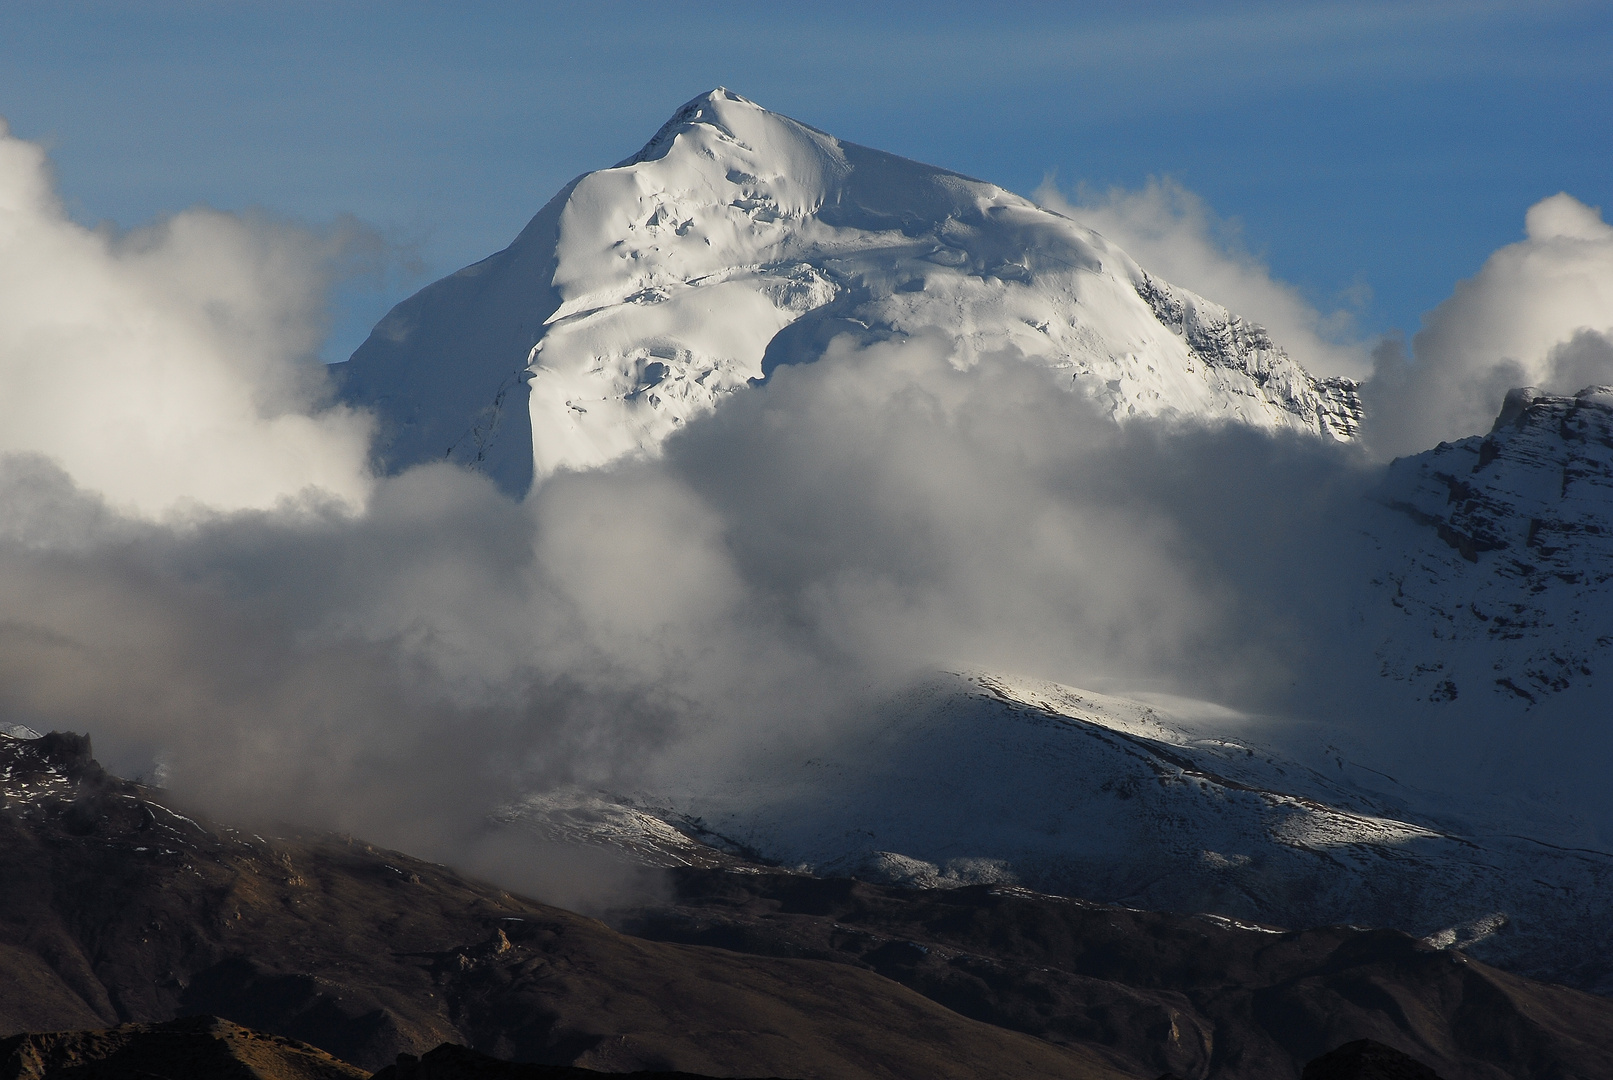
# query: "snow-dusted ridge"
[[1498, 552], [985, 778], [644, 295]]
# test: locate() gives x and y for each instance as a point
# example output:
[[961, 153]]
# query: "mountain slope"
[[737, 240], [197, 1048], [1194, 996], [443, 371], [644, 296], [114, 908], [987, 779]]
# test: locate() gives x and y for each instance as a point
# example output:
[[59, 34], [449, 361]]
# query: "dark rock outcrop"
[[1367, 1060], [195, 1048]]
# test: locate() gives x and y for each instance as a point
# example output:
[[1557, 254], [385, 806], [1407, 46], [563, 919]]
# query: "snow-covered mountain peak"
[[1519, 411], [737, 240], [793, 154], [720, 186]]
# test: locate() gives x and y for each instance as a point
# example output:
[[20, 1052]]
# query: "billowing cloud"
[[171, 366], [1172, 233], [1538, 313], [397, 657], [782, 567]]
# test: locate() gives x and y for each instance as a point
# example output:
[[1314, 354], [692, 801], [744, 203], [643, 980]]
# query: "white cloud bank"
[[1538, 313], [772, 578], [396, 671], [170, 367]]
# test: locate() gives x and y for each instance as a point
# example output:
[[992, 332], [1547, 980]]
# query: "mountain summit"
[[1455, 786], [737, 240]]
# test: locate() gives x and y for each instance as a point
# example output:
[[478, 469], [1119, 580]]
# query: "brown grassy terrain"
[[1195, 996], [113, 909]]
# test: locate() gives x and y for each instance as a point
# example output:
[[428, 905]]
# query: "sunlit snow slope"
[[643, 295]]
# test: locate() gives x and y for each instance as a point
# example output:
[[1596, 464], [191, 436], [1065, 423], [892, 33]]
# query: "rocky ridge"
[[1495, 580]]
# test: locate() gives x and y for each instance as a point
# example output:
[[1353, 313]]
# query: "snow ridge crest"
[[1234, 347]]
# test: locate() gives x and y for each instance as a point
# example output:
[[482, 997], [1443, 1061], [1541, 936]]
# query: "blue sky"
[[1391, 145]]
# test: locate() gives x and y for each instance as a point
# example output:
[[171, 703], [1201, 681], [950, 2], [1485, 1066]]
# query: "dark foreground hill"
[[196, 1048], [207, 1048], [114, 909], [1198, 996]]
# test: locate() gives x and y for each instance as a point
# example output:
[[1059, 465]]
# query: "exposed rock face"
[[1499, 585], [1240, 358]]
